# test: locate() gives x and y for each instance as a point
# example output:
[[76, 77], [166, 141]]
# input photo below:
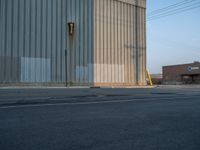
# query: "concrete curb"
[[78, 87]]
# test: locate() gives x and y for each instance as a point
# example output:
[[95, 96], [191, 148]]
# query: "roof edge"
[[188, 64], [139, 3]]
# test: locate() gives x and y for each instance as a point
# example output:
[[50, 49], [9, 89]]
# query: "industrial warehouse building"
[[73, 42], [182, 74]]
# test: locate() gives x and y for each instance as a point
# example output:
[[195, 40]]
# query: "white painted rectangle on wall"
[[35, 70], [84, 73], [104, 77]]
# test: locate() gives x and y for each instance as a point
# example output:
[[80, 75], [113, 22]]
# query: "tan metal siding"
[[120, 43], [139, 3]]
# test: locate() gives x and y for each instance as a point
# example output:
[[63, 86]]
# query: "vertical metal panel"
[[141, 46], [90, 41], [73, 41], [77, 45], [34, 33], [85, 42], [49, 33], [8, 39], [101, 10], [96, 38], [122, 23], [80, 44], [116, 65], [53, 48], [14, 42], [1, 32]]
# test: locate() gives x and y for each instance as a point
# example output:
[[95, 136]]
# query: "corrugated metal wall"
[[120, 42], [80, 48], [33, 40], [107, 48]]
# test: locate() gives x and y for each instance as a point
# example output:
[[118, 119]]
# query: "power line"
[[175, 11], [170, 14], [171, 7]]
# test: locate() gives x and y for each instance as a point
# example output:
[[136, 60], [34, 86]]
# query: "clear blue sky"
[[174, 39]]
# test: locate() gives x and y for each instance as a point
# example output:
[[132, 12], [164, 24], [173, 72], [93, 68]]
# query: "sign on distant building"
[[190, 68]]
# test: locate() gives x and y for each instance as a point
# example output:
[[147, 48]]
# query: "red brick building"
[[182, 74]]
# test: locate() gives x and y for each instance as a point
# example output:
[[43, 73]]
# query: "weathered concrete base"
[[119, 85], [32, 85], [71, 85]]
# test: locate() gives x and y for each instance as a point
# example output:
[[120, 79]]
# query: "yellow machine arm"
[[149, 78]]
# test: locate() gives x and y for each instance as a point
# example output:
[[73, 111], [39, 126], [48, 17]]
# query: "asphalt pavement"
[[163, 118]]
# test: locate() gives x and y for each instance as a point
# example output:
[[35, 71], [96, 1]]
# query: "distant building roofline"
[[195, 62]]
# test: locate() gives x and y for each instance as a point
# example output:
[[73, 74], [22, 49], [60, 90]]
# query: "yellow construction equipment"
[[149, 78]]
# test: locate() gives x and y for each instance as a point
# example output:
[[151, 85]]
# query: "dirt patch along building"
[[73, 42], [182, 74]]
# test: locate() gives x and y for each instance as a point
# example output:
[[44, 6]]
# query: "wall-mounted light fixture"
[[71, 27]]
